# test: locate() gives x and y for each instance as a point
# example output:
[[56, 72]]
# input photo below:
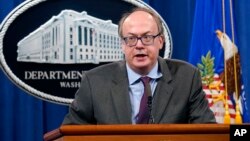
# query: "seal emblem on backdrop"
[[45, 45]]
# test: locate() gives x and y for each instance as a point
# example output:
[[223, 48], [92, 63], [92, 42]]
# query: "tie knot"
[[145, 80]]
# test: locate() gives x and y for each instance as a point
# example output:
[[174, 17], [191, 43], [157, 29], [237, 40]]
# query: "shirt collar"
[[133, 76]]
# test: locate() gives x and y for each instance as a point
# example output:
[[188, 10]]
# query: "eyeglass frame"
[[141, 38]]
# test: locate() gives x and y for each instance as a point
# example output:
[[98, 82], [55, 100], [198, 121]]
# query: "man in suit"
[[111, 93]]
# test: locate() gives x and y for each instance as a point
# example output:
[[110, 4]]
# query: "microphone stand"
[[151, 118], [149, 103]]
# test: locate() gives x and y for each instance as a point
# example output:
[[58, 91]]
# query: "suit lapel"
[[163, 92], [120, 95]]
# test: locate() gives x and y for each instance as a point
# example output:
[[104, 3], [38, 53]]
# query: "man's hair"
[[151, 12]]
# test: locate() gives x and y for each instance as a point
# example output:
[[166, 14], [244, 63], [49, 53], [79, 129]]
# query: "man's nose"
[[139, 43]]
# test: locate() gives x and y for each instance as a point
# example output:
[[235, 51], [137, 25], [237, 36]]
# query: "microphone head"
[[150, 100]]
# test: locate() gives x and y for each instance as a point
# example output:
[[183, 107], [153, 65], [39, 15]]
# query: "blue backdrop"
[[26, 118]]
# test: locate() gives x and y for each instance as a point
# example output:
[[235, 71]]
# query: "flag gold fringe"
[[238, 118], [226, 115]]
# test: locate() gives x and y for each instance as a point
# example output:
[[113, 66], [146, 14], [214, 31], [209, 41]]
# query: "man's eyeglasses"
[[145, 39]]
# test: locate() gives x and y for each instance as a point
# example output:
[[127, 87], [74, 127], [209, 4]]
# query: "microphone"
[[151, 118], [149, 103]]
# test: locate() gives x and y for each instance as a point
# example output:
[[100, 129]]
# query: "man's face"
[[140, 57]]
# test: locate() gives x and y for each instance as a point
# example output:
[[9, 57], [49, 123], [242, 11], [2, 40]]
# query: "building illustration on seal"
[[72, 37]]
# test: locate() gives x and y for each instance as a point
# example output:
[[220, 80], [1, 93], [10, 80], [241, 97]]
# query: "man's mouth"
[[140, 55]]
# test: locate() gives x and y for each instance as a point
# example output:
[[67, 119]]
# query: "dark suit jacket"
[[103, 97]]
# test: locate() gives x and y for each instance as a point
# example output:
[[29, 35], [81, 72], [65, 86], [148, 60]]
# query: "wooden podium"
[[151, 132]]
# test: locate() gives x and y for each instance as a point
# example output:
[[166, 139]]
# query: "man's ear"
[[162, 40], [123, 47]]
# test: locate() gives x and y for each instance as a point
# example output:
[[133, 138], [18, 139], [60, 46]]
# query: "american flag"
[[217, 98]]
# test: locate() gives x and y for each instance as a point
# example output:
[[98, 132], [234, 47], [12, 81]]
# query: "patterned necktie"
[[143, 115]]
